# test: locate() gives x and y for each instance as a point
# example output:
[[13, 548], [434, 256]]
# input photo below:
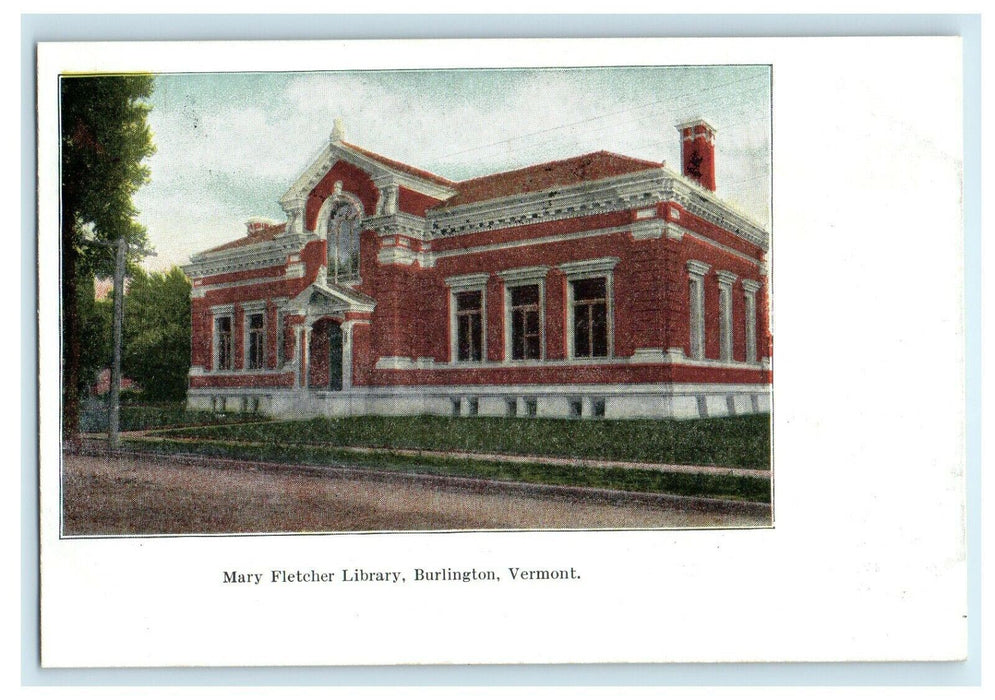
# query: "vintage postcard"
[[351, 336]]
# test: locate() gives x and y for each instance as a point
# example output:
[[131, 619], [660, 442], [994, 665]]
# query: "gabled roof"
[[267, 233], [543, 176], [398, 165]]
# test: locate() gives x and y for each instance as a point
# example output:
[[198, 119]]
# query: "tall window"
[[256, 347], [526, 340], [750, 288], [222, 341], [696, 306], [697, 294], [469, 326], [343, 244], [590, 317], [726, 280]]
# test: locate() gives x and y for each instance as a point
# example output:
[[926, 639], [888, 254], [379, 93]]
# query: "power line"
[[668, 100]]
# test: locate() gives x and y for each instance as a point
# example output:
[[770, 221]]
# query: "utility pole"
[[114, 418]]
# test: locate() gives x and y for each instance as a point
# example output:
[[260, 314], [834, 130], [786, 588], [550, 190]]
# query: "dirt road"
[[150, 495]]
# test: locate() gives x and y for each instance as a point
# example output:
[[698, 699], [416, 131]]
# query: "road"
[[152, 495]]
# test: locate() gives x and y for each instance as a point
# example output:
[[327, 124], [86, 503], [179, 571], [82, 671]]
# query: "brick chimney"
[[698, 152]]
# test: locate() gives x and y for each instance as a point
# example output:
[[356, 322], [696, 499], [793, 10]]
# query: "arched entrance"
[[327, 356]]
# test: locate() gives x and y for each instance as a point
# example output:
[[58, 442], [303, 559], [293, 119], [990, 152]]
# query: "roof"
[[398, 165], [266, 233], [543, 176]]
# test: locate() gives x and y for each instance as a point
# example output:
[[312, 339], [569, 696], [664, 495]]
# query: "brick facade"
[[599, 247]]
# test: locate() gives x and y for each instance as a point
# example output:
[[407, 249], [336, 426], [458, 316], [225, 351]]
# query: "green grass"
[[742, 441], [151, 416], [750, 489]]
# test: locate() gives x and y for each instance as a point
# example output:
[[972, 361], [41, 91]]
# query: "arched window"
[[343, 244]]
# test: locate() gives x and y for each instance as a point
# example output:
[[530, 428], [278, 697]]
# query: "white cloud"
[[229, 146]]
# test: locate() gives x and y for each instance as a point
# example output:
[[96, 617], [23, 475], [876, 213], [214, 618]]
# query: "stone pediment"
[[321, 298], [381, 170]]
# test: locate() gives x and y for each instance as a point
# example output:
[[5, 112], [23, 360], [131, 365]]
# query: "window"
[[281, 339], [526, 331], [256, 346], [222, 343], [589, 304], [469, 326], [598, 408], [697, 293], [576, 408], [726, 280], [467, 317], [343, 244], [590, 317], [751, 288], [531, 407], [524, 312], [696, 305], [511, 407]]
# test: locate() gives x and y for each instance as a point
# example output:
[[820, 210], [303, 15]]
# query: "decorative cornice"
[[520, 275], [726, 278], [706, 205], [648, 229], [399, 223], [247, 257], [751, 286], [581, 268], [698, 268], [472, 281], [616, 193]]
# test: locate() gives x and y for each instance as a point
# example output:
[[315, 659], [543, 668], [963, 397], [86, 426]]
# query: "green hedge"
[[742, 441]]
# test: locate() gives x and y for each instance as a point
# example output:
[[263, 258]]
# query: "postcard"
[[462, 352]]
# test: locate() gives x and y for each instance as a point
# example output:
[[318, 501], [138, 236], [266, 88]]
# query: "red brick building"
[[596, 286]]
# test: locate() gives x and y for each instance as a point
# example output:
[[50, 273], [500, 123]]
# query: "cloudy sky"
[[229, 145]]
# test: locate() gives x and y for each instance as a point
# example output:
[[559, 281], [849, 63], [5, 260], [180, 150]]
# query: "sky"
[[229, 145]]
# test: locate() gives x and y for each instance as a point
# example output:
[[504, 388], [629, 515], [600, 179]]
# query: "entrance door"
[[334, 357]]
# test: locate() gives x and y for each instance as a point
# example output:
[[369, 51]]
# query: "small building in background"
[[599, 286]]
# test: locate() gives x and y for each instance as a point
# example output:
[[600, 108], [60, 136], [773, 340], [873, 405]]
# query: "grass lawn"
[[150, 416], [742, 488], [741, 441]]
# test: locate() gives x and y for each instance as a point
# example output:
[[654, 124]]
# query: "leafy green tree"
[[157, 333], [104, 140]]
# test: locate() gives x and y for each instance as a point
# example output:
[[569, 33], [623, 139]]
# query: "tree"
[[157, 333], [104, 140]]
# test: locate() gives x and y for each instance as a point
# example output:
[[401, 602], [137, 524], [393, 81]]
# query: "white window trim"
[[337, 198], [726, 280], [750, 289], [251, 308], [457, 284], [590, 269], [696, 306], [217, 312], [524, 277]]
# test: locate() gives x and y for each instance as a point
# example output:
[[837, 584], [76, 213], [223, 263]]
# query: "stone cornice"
[[600, 196], [524, 275], [726, 278], [581, 268], [252, 256], [635, 190], [698, 268], [400, 223], [704, 204]]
